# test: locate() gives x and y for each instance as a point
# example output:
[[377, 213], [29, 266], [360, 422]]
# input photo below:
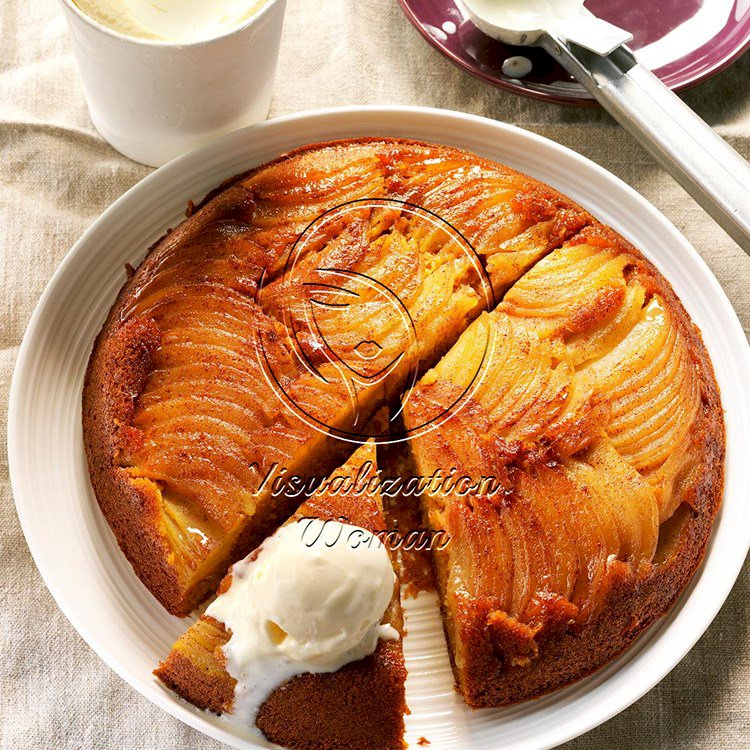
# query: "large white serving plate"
[[94, 585]]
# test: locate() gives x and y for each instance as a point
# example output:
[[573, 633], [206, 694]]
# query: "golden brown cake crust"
[[299, 715]]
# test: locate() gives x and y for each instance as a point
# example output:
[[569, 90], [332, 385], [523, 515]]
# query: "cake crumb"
[[423, 741]]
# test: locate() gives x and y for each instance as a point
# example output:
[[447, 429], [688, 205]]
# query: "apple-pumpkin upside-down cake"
[[515, 340]]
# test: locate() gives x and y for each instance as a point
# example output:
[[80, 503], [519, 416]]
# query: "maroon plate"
[[683, 41]]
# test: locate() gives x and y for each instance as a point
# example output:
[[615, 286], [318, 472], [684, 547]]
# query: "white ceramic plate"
[[94, 585]]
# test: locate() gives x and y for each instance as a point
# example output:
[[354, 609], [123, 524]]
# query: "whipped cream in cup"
[[178, 21], [162, 78]]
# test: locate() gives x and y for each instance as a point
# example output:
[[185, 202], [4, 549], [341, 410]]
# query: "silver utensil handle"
[[709, 169]]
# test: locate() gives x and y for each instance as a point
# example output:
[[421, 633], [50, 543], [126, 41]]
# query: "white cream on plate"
[[523, 15], [179, 21], [311, 601]]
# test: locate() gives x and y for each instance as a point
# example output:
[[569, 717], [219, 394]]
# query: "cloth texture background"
[[57, 175]]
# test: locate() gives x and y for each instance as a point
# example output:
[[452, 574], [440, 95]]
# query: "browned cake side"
[[360, 707], [599, 415], [180, 424]]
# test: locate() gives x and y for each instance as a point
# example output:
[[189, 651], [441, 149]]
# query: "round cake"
[[536, 367]]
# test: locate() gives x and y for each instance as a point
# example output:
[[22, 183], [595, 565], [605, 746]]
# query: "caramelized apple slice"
[[533, 557], [596, 342], [575, 288], [547, 541], [524, 384], [510, 221], [632, 500], [468, 567], [370, 302], [588, 525], [294, 191], [650, 381], [496, 555], [222, 255]]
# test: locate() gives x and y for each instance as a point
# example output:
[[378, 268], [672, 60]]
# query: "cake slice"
[[358, 707], [592, 445]]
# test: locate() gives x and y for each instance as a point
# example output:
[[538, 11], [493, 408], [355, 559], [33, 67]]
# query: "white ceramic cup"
[[154, 100]]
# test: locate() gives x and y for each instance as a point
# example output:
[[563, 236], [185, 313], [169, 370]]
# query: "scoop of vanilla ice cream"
[[180, 21], [322, 588], [311, 601]]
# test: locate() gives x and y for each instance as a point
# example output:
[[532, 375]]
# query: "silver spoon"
[[596, 54]]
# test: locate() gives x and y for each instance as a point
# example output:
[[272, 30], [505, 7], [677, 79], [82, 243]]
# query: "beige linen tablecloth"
[[57, 177]]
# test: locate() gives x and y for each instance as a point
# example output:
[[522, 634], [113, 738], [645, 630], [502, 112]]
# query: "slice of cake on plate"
[[304, 639], [596, 417]]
